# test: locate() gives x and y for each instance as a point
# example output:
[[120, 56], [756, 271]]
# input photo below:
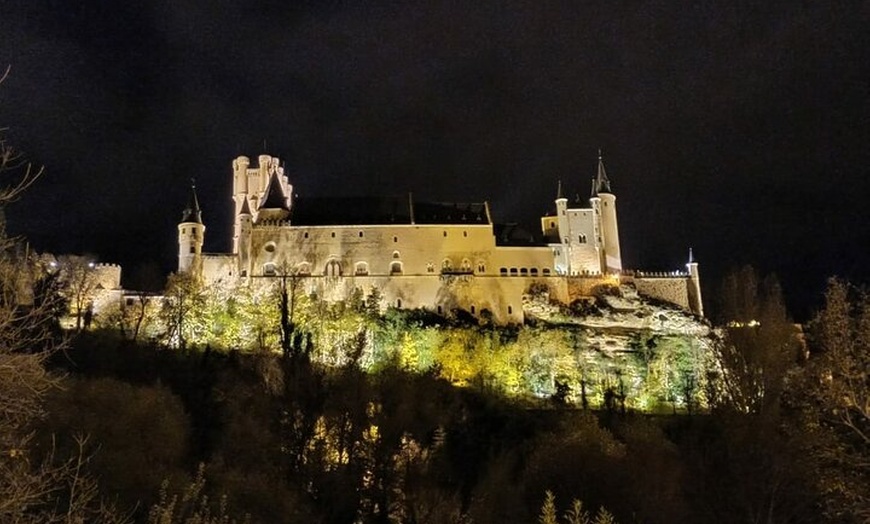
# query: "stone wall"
[[671, 289]]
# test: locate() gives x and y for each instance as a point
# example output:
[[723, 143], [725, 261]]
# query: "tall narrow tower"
[[191, 234], [244, 232], [611, 257]]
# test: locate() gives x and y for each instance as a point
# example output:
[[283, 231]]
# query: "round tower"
[[611, 256], [191, 235]]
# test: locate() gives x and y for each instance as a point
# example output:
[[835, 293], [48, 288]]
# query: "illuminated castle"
[[437, 256]]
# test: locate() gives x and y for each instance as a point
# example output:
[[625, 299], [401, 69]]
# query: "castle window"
[[183, 231], [445, 234], [546, 272], [129, 301], [303, 268], [446, 265], [395, 239], [524, 272], [466, 266], [582, 239], [361, 268], [270, 247], [430, 267], [244, 273], [472, 310], [465, 233], [510, 310], [395, 254], [439, 310], [306, 234], [333, 268], [333, 234], [534, 271], [399, 303], [360, 234], [513, 271], [503, 271], [269, 270], [481, 268], [192, 250], [395, 268]]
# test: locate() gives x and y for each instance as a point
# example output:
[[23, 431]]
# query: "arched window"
[[503, 271], [546, 272], [466, 266], [395, 268], [446, 265], [513, 271], [396, 255], [524, 272], [269, 269], [304, 268], [582, 238], [430, 267], [333, 268], [398, 303], [361, 268], [534, 271]]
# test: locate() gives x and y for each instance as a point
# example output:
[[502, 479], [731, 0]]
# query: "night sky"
[[740, 130]]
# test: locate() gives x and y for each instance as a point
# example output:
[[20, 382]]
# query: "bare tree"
[[32, 488]]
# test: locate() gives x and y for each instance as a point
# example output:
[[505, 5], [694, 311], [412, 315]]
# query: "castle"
[[436, 256]]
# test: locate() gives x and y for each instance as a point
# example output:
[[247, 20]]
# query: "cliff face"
[[652, 356]]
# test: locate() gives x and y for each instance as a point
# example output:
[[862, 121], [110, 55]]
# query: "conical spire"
[[602, 183], [192, 212], [274, 198], [246, 209]]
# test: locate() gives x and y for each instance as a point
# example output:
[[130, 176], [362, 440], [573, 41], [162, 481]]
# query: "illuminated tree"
[[78, 285], [184, 311], [832, 397]]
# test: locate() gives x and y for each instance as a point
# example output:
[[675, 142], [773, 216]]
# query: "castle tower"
[[696, 305], [562, 261], [191, 235], [240, 194], [611, 261], [244, 232]]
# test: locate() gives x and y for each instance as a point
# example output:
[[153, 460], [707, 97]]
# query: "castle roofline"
[[357, 211]]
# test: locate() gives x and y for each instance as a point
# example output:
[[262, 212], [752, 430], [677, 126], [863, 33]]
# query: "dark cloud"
[[738, 129]]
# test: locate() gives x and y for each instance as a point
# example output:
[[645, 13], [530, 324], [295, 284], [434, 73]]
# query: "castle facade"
[[437, 256]]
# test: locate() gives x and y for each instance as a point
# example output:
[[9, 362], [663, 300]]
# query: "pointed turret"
[[559, 190], [605, 201], [192, 213], [273, 206], [191, 235], [246, 209], [274, 198], [601, 183]]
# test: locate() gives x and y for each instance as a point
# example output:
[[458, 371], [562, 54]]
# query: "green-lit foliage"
[[620, 369]]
